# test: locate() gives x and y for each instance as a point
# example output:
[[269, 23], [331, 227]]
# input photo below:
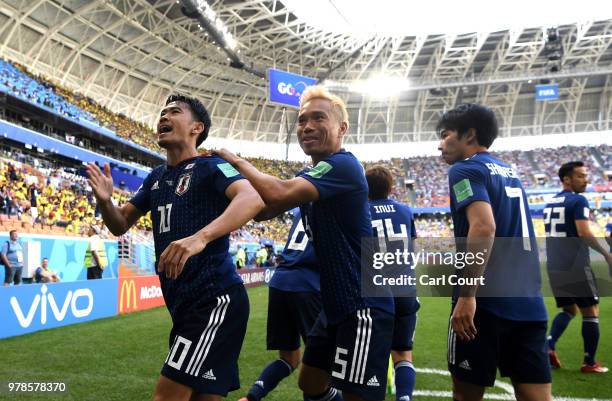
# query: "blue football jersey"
[[392, 220], [513, 264], [393, 225], [183, 199], [298, 270], [560, 215], [337, 222]]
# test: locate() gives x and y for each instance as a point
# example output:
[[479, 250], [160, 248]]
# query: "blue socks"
[[405, 378], [269, 379], [590, 335], [557, 328]]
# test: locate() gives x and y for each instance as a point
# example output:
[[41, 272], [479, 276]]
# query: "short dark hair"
[[12, 231], [567, 169], [380, 182], [198, 111], [470, 115]]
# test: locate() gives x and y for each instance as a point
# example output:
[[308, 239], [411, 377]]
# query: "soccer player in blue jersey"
[[567, 216], [351, 340], [195, 202], [294, 302], [393, 224], [487, 202]]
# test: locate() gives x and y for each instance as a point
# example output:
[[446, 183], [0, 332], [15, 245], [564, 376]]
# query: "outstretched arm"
[[278, 195], [117, 219], [245, 204]]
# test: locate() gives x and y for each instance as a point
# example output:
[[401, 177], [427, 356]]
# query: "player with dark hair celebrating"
[[195, 202], [567, 216], [349, 345], [487, 202], [393, 224]]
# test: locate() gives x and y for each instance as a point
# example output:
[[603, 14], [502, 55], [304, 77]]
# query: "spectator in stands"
[[33, 197], [271, 256], [7, 204], [12, 258], [261, 256], [240, 258], [44, 275], [95, 256]]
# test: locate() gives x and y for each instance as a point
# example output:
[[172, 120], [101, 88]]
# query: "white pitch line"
[[449, 394], [504, 386], [500, 384]]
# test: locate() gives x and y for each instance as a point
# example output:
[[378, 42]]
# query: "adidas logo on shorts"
[[209, 375], [373, 382], [465, 365]]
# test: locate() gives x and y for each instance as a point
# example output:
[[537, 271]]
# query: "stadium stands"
[[19, 82], [65, 205]]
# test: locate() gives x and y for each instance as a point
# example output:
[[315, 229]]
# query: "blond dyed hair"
[[321, 92]]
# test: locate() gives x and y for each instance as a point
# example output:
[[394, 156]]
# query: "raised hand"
[[101, 183]]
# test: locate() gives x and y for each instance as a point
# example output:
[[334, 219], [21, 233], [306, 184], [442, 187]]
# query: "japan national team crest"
[[183, 184]]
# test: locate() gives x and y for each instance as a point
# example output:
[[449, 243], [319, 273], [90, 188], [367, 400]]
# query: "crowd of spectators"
[[17, 81], [59, 201], [44, 199], [549, 160]]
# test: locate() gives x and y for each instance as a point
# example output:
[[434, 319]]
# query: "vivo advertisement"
[[287, 88], [28, 308]]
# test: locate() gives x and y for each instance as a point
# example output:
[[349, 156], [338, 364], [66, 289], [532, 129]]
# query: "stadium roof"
[[363, 18], [130, 54]]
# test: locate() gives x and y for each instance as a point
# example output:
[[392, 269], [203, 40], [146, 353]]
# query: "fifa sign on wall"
[[139, 293], [286, 88], [547, 92], [28, 308]]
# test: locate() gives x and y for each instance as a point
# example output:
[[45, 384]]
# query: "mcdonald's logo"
[[127, 294]]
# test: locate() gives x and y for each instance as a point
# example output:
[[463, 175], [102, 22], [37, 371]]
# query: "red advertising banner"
[[139, 293]]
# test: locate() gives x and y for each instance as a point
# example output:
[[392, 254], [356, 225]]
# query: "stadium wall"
[[34, 307]]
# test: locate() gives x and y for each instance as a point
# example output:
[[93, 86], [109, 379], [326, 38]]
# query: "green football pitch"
[[119, 358]]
